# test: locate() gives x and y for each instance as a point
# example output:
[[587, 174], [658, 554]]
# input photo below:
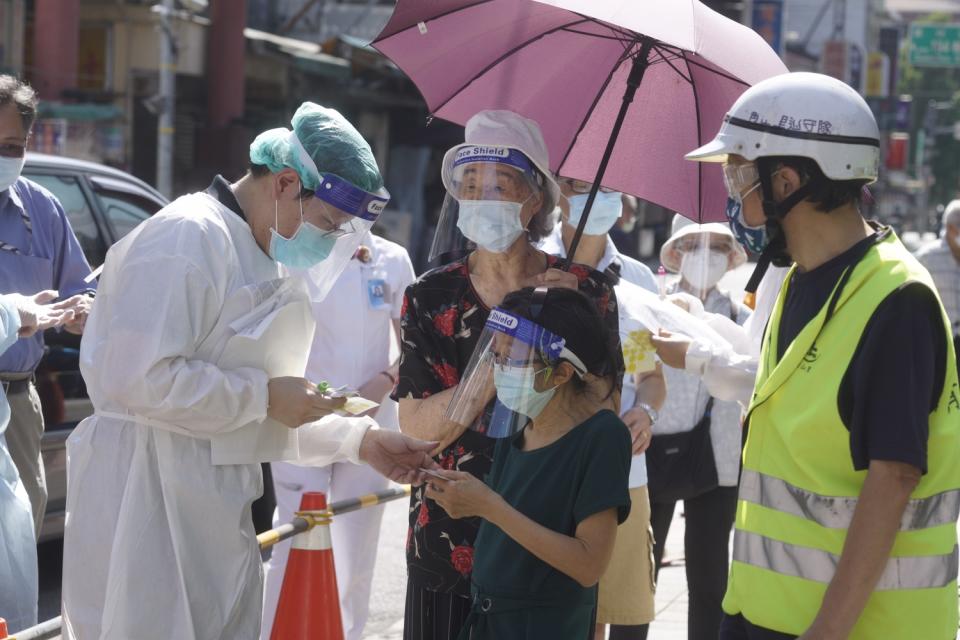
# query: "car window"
[[125, 210], [68, 191]]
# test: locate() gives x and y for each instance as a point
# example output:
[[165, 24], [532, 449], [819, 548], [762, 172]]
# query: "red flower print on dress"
[[580, 271], [446, 374], [448, 462], [403, 308], [445, 322], [423, 518], [462, 559]]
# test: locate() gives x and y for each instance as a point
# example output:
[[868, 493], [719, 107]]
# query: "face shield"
[[514, 362], [346, 215], [487, 189], [704, 259]]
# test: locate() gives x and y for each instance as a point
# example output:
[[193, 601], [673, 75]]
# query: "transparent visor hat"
[[486, 188], [704, 258], [347, 214], [510, 376]]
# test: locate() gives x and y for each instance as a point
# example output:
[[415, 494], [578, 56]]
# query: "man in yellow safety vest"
[[850, 485]]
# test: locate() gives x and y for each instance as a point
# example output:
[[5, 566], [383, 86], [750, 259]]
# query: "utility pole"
[[167, 102]]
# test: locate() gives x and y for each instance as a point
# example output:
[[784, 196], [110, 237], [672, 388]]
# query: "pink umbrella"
[[621, 88]]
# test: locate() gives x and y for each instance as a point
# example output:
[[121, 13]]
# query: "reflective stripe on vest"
[[902, 572], [836, 512]]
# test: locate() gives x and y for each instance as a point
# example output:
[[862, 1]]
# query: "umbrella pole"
[[637, 70]]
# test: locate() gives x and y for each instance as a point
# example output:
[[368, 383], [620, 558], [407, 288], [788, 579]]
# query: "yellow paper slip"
[[356, 405]]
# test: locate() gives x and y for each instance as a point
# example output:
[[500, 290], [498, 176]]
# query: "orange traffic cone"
[[309, 606], [3, 629]]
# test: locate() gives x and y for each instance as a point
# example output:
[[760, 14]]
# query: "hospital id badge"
[[378, 293]]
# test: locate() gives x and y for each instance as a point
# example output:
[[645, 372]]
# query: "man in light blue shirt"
[[38, 252]]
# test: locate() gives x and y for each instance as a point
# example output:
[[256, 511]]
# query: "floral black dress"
[[442, 320]]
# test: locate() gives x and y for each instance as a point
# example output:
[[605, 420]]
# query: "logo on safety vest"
[[953, 403], [810, 359]]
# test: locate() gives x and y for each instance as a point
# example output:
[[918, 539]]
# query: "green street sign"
[[935, 45]]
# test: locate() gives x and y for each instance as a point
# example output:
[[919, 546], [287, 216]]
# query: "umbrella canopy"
[[567, 63]]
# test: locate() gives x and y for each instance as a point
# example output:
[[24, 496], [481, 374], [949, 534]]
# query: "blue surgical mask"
[[606, 210], [493, 224], [753, 238], [516, 392], [308, 246]]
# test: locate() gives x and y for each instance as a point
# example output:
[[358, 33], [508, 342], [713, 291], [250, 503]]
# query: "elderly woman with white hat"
[[500, 201], [695, 452]]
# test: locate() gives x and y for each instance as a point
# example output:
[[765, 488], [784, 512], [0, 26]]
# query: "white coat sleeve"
[[142, 357], [332, 439], [728, 375]]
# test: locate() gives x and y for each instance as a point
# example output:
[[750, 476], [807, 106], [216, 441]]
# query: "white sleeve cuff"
[[698, 357]]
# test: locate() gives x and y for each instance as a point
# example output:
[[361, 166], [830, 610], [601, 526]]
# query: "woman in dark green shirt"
[[558, 487]]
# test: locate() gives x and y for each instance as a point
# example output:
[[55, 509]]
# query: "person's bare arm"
[[424, 418], [583, 556], [866, 551], [652, 390]]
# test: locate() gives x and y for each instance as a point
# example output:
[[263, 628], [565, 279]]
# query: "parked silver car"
[[103, 205]]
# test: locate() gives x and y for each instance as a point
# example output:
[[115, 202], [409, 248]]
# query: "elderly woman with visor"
[[500, 201]]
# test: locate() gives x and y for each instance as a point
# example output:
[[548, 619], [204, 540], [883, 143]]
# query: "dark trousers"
[[738, 628], [429, 615], [709, 521]]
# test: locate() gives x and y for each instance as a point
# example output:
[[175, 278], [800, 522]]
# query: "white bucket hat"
[[670, 255], [501, 128]]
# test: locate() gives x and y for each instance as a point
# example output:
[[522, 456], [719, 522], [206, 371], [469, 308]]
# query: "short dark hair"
[[21, 94], [828, 194], [261, 170], [574, 317]]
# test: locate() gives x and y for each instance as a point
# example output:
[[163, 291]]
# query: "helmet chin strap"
[[776, 250]]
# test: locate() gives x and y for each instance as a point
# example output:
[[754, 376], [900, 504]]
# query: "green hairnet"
[[333, 144]]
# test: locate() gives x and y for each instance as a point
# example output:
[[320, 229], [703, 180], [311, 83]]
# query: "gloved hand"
[[396, 456], [36, 314], [80, 305], [296, 401]]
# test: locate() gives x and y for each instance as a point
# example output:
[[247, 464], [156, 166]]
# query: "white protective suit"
[[18, 547], [159, 539]]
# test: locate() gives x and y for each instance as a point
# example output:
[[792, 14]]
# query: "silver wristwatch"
[[652, 413]]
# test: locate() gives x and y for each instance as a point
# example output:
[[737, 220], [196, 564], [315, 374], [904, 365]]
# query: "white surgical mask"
[[493, 224], [10, 169], [604, 213], [703, 268]]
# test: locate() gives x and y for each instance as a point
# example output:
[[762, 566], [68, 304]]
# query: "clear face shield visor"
[[509, 379], [487, 188], [347, 214]]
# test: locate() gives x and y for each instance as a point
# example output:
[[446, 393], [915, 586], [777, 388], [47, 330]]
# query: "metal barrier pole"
[[301, 523], [42, 631]]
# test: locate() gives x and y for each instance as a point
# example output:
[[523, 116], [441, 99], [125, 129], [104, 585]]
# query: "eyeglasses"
[[12, 150], [689, 245], [581, 187], [737, 177], [333, 230]]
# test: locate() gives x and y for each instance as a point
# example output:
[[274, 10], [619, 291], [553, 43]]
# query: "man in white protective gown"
[[194, 357]]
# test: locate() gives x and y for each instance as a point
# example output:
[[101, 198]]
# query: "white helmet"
[[801, 114]]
